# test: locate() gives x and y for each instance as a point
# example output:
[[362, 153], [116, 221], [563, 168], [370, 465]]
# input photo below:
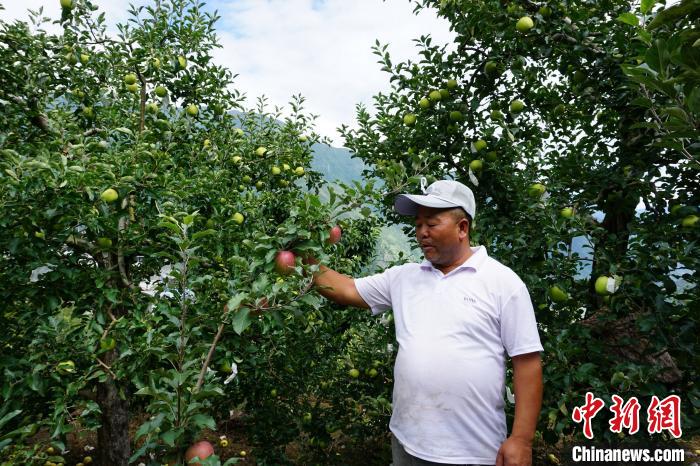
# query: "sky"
[[318, 48]]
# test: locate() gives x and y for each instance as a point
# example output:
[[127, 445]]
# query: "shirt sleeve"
[[518, 325], [375, 290]]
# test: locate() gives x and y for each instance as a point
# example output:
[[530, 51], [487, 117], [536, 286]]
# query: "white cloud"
[[321, 49]]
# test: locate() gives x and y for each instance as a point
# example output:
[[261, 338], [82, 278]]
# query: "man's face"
[[440, 235]]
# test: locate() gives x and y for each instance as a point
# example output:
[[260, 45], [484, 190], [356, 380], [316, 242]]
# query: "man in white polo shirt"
[[457, 315]]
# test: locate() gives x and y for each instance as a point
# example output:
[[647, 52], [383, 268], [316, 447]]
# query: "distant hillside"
[[336, 163]]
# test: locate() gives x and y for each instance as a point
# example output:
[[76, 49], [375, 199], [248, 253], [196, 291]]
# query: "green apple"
[[496, 115], [152, 107], [517, 106], [275, 170], [161, 91], [451, 84], [536, 190], [545, 11], [424, 103], [259, 184], [302, 138], [435, 96], [409, 119], [524, 24], [567, 212], [207, 143], [130, 79], [236, 159], [491, 156], [181, 62], [104, 243], [286, 167], [354, 373], [260, 151], [109, 195], [299, 171], [88, 113], [67, 4], [476, 165], [71, 58], [491, 68], [107, 343], [456, 115], [133, 88], [480, 145], [192, 110], [690, 221], [605, 286], [273, 392], [372, 372], [246, 179], [84, 58], [444, 93], [579, 77], [307, 418], [557, 294], [238, 218]]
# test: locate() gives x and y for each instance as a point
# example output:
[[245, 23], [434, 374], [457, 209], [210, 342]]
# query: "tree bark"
[[113, 435]]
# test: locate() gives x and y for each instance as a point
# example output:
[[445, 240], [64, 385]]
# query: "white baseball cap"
[[442, 194]]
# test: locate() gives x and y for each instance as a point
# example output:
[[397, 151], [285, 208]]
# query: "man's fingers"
[[499, 458]]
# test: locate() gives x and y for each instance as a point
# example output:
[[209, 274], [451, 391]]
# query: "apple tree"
[[143, 206], [576, 125]]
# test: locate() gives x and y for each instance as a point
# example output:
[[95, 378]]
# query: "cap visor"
[[407, 204]]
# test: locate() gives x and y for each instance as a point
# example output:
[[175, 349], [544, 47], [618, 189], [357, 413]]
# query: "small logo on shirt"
[[469, 299]]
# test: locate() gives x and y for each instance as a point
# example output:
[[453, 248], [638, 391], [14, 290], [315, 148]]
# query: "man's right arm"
[[338, 287]]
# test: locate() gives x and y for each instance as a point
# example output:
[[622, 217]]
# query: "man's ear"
[[464, 226]]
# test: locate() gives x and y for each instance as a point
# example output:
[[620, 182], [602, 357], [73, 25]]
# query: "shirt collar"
[[475, 261]]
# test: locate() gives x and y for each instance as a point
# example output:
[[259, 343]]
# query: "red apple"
[[201, 449], [284, 262], [335, 235]]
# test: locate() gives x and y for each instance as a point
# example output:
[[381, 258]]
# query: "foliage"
[[114, 307]]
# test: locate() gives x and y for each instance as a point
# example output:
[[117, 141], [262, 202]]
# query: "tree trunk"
[[113, 448]]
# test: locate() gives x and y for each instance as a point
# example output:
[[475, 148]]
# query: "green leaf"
[[674, 13], [693, 100], [236, 300], [169, 437], [629, 18], [6, 418], [202, 420], [646, 6], [203, 233], [170, 226], [241, 320]]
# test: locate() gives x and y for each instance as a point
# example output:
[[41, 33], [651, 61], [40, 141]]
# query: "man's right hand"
[[336, 286]]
